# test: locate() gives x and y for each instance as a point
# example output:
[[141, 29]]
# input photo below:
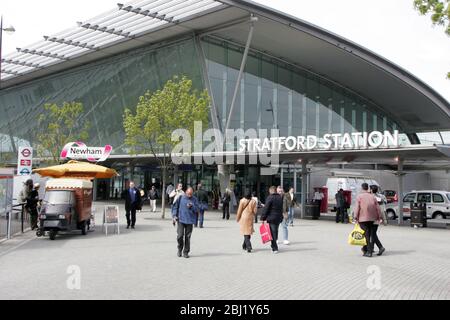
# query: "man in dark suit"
[[132, 203], [273, 214]]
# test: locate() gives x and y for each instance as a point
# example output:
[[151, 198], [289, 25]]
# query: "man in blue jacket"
[[184, 212]]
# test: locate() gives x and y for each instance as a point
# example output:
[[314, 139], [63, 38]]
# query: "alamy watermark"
[[73, 282], [374, 280]]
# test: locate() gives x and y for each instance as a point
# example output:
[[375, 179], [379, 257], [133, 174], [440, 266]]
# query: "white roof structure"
[[413, 104], [126, 22]]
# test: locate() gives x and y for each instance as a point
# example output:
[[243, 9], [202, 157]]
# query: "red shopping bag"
[[266, 235]]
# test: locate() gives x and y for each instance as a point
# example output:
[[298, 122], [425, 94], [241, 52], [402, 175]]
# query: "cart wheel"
[[84, 228], [52, 234], [39, 233]]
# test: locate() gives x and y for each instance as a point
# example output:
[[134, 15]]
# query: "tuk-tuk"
[[67, 206]]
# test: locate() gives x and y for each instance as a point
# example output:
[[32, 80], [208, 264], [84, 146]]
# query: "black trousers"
[[226, 210], [131, 215], [184, 232], [274, 231], [33, 218], [376, 239], [247, 245], [340, 214], [370, 234]]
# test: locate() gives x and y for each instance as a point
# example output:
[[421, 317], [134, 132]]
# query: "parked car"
[[437, 203], [391, 195]]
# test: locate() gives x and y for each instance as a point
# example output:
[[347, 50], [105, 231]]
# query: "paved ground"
[[142, 264]]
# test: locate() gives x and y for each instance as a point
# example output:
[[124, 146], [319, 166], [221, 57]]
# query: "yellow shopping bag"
[[356, 237]]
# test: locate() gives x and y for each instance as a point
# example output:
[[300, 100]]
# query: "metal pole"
[[207, 82], [304, 187], [22, 216], [400, 191], [241, 71], [1, 36]]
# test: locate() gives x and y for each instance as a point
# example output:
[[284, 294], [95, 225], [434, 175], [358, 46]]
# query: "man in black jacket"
[[132, 203], [273, 214]]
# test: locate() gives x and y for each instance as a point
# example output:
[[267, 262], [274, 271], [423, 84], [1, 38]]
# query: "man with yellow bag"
[[367, 211]]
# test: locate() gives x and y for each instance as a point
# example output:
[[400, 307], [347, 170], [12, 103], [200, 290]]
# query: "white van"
[[344, 181]]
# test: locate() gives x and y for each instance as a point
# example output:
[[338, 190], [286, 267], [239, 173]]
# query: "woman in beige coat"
[[246, 216]]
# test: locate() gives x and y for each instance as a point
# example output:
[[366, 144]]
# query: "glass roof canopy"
[[127, 21]]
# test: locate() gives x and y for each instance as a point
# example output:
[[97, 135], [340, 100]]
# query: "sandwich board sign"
[[24, 161], [111, 216]]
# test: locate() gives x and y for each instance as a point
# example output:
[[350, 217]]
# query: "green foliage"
[[158, 114], [59, 126], [440, 13]]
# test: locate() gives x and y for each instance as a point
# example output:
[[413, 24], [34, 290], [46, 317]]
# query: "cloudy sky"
[[393, 29]]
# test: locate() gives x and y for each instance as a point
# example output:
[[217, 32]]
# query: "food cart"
[[66, 207]]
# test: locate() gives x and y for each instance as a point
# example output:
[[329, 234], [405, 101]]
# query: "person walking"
[[169, 190], [291, 203], [32, 205], [318, 197], [245, 215], [142, 193], [340, 206], [25, 194], [184, 214], [202, 197], [381, 199], [226, 199], [132, 198], [177, 192], [284, 223], [259, 205], [367, 211], [153, 196], [273, 214]]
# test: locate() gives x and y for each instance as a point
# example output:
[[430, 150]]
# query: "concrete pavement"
[[142, 264]]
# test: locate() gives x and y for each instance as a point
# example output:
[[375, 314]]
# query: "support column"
[[94, 190], [304, 187], [223, 172], [241, 71], [400, 175]]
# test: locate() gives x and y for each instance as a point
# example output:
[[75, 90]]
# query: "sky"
[[390, 28]]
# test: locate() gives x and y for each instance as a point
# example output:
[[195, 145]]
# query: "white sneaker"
[[286, 242], [274, 252]]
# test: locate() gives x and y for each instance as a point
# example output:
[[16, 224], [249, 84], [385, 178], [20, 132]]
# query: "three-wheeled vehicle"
[[66, 207]]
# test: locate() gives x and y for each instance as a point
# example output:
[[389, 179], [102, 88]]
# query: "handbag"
[[266, 235], [356, 237]]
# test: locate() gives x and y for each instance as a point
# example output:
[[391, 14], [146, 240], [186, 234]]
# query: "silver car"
[[437, 203]]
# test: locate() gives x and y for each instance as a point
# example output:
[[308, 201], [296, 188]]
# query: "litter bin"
[[312, 210], [418, 215]]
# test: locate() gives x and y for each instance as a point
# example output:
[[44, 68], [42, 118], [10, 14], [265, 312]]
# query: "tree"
[[59, 126], [440, 13], [158, 115]]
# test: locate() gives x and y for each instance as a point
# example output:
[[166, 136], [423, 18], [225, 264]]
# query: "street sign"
[[25, 161]]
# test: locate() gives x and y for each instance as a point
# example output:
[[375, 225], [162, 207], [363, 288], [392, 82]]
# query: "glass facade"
[[273, 94], [105, 88]]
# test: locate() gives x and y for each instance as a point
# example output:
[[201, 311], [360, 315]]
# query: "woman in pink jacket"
[[367, 211]]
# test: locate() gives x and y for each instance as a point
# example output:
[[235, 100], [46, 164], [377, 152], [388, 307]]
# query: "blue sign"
[[25, 171]]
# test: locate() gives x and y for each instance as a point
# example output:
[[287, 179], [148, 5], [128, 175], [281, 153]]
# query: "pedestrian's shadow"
[[397, 252], [207, 255]]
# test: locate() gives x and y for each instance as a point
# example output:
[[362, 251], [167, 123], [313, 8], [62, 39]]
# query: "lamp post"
[[8, 30]]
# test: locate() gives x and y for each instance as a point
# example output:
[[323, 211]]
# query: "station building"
[[263, 69]]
